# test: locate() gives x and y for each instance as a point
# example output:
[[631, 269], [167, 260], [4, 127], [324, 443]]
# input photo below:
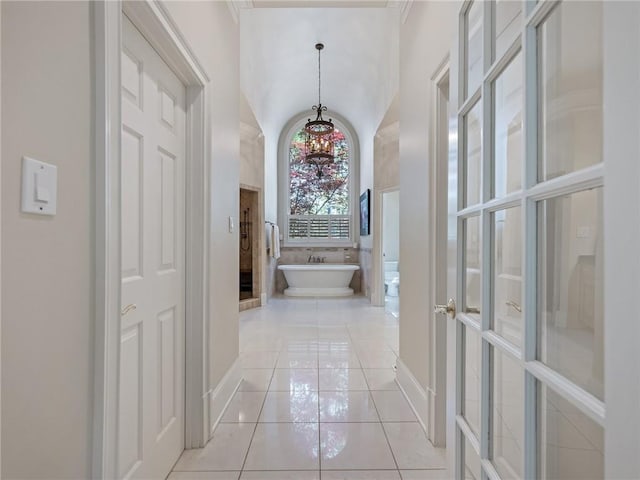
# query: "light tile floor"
[[318, 401], [392, 305]]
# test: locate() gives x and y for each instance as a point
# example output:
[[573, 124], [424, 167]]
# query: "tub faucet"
[[310, 259]]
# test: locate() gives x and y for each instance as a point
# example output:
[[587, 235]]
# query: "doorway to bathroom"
[[391, 250], [248, 238]]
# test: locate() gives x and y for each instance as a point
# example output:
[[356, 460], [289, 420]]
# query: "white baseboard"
[[431, 398], [206, 399], [222, 394], [417, 396]]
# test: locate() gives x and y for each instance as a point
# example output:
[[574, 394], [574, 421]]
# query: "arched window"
[[319, 209]]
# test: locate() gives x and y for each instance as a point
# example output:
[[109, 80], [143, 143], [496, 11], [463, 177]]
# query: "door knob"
[[449, 308], [127, 309]]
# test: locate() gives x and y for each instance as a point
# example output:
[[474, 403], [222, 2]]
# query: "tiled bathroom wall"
[[366, 271]]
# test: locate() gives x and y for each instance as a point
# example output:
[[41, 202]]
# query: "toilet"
[[391, 278]]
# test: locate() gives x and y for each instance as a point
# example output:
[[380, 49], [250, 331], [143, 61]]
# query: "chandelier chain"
[[319, 142], [319, 78]]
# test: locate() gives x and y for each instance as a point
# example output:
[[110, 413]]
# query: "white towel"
[[275, 241]]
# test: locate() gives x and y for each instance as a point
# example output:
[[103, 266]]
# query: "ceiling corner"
[[236, 5], [405, 6]]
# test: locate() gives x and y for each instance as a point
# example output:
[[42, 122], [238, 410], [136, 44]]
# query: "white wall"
[[270, 204], [271, 175], [0, 245], [425, 40], [47, 312], [366, 241], [212, 33], [387, 149], [252, 174], [366, 181], [47, 334], [386, 163], [391, 226], [251, 147]]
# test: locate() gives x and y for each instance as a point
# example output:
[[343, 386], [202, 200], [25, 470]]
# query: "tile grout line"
[[255, 428], [384, 431], [350, 333], [356, 354], [393, 455]]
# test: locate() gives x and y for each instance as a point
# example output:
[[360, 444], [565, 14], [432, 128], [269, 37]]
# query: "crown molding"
[[236, 5], [405, 6]]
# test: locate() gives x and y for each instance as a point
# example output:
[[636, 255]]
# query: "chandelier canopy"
[[319, 143]]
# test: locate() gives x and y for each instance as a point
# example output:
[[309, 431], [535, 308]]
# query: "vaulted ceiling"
[[279, 64]]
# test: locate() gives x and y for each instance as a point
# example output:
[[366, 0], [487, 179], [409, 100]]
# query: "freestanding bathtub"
[[318, 280]]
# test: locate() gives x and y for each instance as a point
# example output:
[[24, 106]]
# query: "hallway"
[[318, 400], [507, 130]]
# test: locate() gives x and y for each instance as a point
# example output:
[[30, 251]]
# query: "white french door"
[[526, 215], [151, 382]]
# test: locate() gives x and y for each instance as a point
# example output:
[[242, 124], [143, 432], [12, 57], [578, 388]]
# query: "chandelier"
[[319, 133]]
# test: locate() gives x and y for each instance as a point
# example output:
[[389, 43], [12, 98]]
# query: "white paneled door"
[[151, 402], [526, 224]]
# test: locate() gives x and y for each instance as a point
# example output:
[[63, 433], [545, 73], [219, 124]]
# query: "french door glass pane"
[[507, 416], [507, 274], [570, 444], [473, 154], [472, 467], [472, 260], [507, 133], [472, 368], [570, 287], [473, 40], [507, 24], [570, 89]]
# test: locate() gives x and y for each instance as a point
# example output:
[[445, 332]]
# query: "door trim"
[[258, 249], [438, 249], [453, 436], [622, 232], [156, 24], [377, 285], [0, 236]]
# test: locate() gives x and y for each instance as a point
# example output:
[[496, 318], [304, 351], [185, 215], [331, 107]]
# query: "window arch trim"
[[295, 124]]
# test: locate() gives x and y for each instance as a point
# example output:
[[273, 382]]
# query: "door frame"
[[621, 149], [377, 290], [0, 235], [258, 250], [438, 254], [158, 27], [383, 136], [453, 438], [619, 173]]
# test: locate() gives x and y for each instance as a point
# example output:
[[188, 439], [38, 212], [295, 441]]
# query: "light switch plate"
[[39, 187]]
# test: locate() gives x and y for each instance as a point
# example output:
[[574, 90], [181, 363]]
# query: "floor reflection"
[[333, 441], [392, 305], [320, 397]]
